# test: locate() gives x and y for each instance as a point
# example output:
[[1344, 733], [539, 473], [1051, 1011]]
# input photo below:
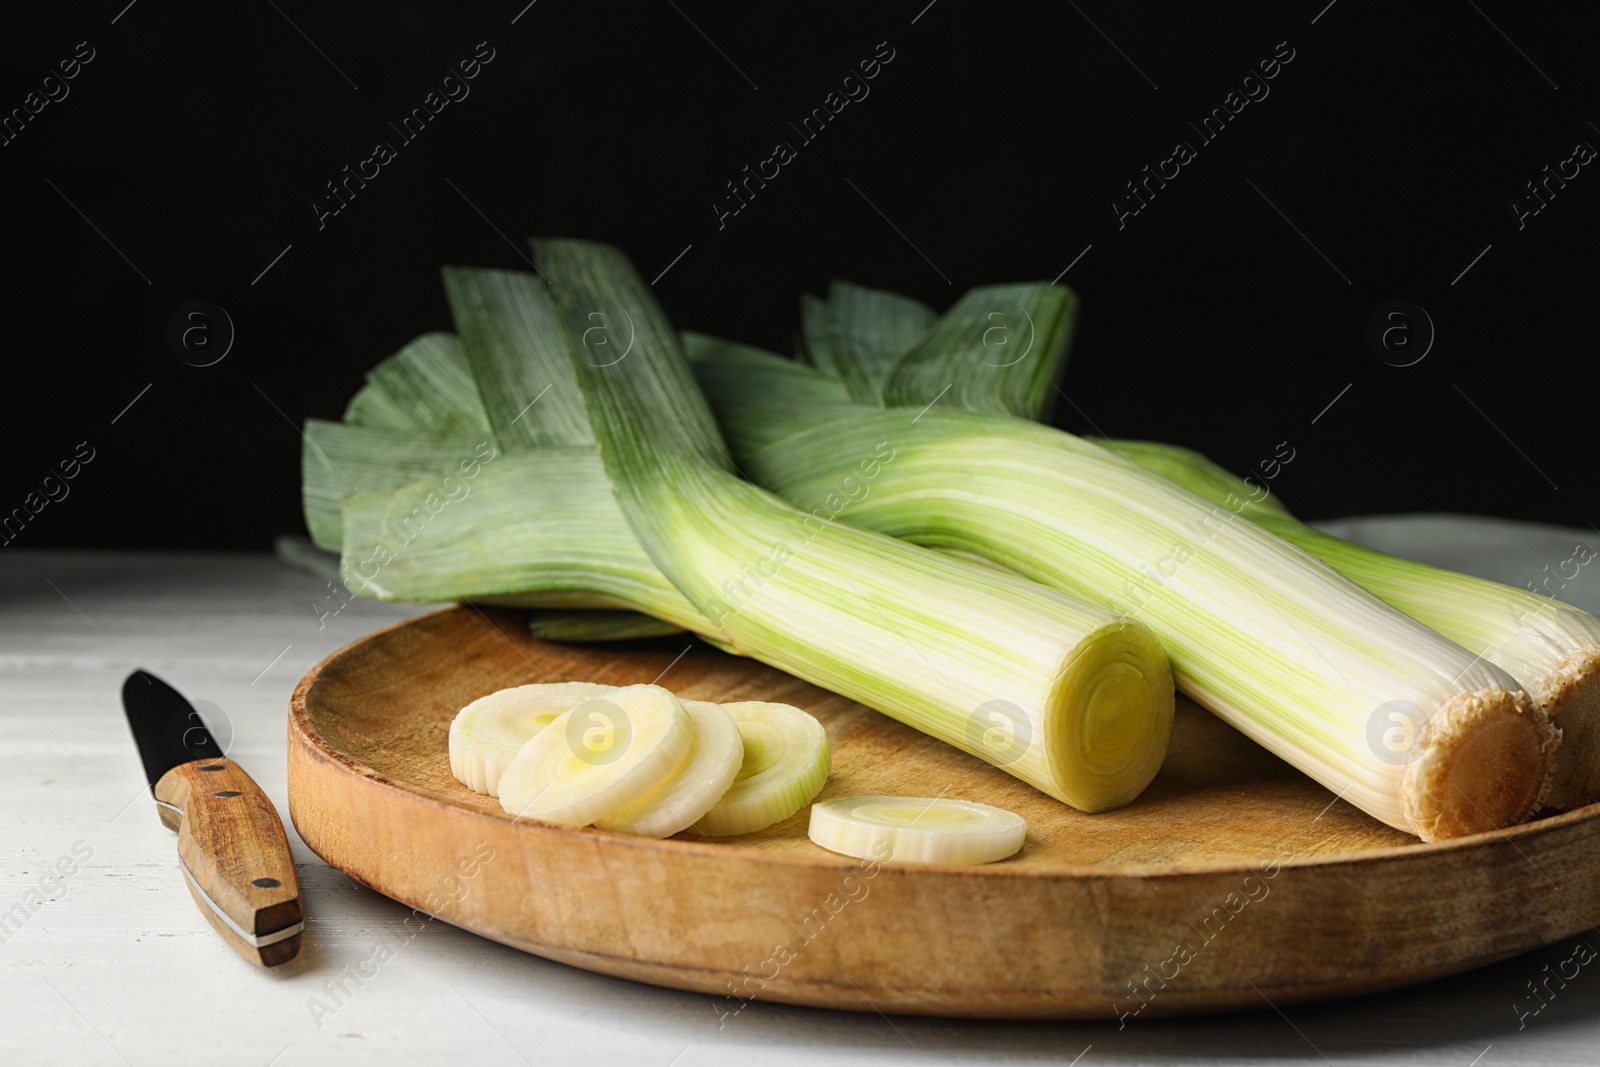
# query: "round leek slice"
[[916, 830], [784, 767], [487, 733], [597, 757], [699, 782]]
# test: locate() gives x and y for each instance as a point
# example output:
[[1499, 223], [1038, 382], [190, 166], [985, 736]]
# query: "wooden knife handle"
[[235, 857]]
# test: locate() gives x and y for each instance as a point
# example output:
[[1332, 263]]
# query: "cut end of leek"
[[917, 829], [1572, 700], [598, 756], [695, 787], [784, 766], [1112, 720], [1552, 649], [1486, 764], [486, 734]]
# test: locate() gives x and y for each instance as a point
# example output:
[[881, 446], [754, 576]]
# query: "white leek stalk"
[[1392, 717], [934, 642], [1552, 648]]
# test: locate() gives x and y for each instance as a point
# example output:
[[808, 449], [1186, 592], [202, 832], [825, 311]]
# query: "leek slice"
[[487, 734], [674, 803], [783, 766], [1551, 647], [917, 829], [598, 757], [932, 641]]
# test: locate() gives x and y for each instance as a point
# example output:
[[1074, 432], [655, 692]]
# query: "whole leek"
[[1391, 716], [1082, 698], [1065, 696], [1551, 648]]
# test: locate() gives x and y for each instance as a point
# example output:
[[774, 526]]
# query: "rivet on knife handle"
[[235, 857]]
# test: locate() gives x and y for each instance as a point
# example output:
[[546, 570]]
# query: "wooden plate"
[[1233, 882]]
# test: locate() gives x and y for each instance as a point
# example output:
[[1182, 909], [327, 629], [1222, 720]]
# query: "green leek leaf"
[[337, 459], [427, 385], [999, 349], [517, 357]]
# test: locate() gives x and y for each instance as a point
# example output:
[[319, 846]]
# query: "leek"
[[783, 764], [339, 459], [534, 529], [1394, 718], [513, 344], [868, 329], [1065, 696], [425, 386], [1552, 648], [695, 787], [486, 734], [931, 641], [917, 829], [598, 757], [407, 534], [429, 386]]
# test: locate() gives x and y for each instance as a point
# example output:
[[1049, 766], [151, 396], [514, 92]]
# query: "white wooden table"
[[111, 962]]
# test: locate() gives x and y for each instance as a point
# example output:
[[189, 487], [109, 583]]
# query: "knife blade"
[[232, 849]]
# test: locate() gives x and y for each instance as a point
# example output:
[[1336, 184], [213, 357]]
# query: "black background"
[[1395, 140]]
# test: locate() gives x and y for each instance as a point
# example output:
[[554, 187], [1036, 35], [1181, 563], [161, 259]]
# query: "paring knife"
[[231, 845]]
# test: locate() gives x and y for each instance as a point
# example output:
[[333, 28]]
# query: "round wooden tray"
[[1233, 882]]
